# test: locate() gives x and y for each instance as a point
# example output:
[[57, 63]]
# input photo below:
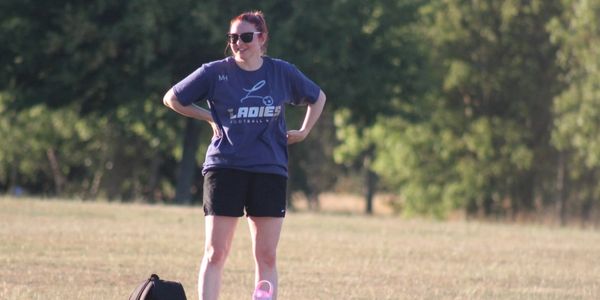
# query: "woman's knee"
[[216, 255], [266, 257]]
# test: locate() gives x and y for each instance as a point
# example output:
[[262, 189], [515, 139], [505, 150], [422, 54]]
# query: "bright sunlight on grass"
[[53, 249]]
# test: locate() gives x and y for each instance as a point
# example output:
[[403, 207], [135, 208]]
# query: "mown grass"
[[54, 249]]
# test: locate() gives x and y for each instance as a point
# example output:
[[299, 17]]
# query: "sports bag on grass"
[[155, 288]]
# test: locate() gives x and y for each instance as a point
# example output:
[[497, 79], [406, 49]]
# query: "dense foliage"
[[490, 107]]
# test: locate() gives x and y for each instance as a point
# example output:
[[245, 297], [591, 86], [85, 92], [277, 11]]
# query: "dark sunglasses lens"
[[247, 37]]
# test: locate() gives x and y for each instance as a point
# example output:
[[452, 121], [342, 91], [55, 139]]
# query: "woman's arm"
[[192, 111], [313, 112]]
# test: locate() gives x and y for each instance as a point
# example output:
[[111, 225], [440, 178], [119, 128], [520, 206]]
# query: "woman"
[[246, 162]]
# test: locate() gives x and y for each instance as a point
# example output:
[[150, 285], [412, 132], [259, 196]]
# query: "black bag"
[[155, 288]]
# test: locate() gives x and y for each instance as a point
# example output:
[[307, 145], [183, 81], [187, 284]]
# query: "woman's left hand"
[[296, 136], [312, 114]]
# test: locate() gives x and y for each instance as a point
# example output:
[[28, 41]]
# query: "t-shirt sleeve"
[[303, 89], [194, 87]]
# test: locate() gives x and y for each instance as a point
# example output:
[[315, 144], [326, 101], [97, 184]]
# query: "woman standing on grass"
[[246, 162]]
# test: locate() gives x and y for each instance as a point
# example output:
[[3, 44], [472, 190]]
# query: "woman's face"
[[242, 47]]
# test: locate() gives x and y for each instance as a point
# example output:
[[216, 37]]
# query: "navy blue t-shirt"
[[248, 107]]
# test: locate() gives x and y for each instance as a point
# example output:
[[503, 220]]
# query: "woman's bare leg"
[[219, 235], [265, 233]]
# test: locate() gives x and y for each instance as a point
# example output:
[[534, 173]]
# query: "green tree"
[[577, 123], [109, 62], [363, 56], [481, 139]]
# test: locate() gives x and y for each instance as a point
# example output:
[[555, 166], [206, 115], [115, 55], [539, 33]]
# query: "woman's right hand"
[[215, 128]]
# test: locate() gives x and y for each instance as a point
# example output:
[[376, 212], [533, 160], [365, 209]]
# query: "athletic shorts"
[[230, 192]]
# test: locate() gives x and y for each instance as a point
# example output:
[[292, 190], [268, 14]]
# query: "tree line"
[[489, 107]]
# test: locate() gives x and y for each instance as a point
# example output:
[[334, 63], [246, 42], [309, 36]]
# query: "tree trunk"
[[525, 192], [313, 201], [13, 185], [95, 186], [371, 181], [150, 192], [59, 179], [187, 166], [588, 202], [586, 209], [521, 195], [370, 191], [560, 190], [487, 207]]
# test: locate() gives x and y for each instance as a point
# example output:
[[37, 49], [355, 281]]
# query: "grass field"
[[72, 250]]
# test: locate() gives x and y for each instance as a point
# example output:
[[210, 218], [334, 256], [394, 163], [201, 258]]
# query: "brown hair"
[[256, 18]]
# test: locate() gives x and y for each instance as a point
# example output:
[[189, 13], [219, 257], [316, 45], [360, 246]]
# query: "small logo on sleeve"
[[223, 77]]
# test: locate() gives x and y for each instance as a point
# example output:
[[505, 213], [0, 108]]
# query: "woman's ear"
[[263, 38]]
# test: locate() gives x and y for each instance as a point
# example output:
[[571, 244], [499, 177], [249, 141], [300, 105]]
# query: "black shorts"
[[228, 192]]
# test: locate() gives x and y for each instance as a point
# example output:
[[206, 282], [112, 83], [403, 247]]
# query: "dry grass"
[[346, 204], [73, 250]]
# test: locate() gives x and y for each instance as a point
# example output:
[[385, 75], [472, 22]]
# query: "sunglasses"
[[246, 37]]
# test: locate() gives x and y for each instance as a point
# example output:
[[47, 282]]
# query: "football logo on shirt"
[[254, 114], [267, 100]]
